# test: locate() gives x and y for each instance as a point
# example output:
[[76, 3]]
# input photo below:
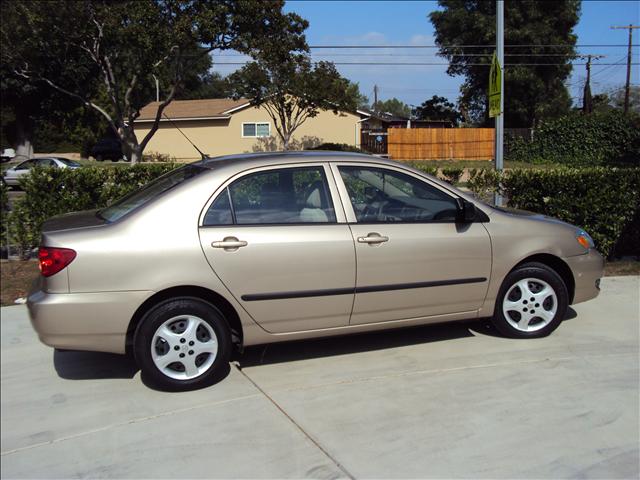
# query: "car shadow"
[[367, 342], [76, 365]]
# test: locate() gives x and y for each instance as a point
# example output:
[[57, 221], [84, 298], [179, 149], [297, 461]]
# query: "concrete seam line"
[[128, 422], [445, 370], [302, 430]]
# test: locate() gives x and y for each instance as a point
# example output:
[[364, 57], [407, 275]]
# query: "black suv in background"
[[108, 149]]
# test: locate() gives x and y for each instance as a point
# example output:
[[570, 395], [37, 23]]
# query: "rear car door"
[[413, 259], [278, 239]]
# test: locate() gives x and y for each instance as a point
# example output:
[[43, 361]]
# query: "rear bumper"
[[587, 271], [84, 321]]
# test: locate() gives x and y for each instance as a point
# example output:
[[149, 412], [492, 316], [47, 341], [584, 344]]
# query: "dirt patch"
[[17, 278]]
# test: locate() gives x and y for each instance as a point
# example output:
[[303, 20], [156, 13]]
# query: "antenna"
[[204, 157]]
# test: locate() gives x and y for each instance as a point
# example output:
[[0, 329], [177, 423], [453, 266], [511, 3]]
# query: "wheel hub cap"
[[184, 347], [530, 305]]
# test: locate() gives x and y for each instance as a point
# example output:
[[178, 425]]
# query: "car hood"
[[68, 221], [531, 215]]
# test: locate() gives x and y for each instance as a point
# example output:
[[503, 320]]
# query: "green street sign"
[[495, 81]]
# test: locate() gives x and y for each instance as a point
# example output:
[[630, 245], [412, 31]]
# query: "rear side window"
[[283, 196]]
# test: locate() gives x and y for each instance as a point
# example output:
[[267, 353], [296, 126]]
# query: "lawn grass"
[[18, 276]]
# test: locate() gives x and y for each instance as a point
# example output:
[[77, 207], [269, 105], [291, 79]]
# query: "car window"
[[219, 212], [288, 195], [386, 196], [26, 165], [68, 163], [46, 162]]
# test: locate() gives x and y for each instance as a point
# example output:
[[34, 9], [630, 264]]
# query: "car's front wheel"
[[532, 302], [183, 344]]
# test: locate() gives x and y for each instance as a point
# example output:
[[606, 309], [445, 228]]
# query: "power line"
[[328, 55], [610, 45], [442, 64]]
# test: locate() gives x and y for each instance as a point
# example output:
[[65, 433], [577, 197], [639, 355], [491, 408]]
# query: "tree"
[[362, 101], [438, 108], [292, 89], [393, 106], [532, 92], [617, 98], [125, 44]]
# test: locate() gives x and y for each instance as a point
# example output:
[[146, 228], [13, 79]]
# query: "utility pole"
[[500, 117], [587, 106], [375, 98], [627, 84]]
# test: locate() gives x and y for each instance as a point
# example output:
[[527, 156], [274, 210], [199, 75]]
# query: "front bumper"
[[84, 321], [587, 271]]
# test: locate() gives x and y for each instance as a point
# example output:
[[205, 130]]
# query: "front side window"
[[385, 196], [283, 196], [256, 129]]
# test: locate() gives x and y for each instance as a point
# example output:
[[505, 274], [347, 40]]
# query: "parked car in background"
[[108, 149], [12, 175], [7, 155], [261, 248]]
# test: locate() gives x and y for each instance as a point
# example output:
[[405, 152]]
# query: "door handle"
[[229, 243], [373, 238]]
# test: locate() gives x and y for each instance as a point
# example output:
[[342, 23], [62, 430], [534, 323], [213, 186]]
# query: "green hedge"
[[603, 201], [51, 192], [610, 138]]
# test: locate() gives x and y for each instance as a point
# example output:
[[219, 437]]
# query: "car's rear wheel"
[[183, 344], [531, 303]]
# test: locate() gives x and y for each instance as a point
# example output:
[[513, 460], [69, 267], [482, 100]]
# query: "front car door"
[[413, 259], [280, 244]]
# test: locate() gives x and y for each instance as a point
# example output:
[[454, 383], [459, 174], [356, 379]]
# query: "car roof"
[[288, 157]]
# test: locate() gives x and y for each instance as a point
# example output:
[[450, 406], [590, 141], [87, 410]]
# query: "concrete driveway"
[[441, 401]]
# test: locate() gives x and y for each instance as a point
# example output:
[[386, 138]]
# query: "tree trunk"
[[286, 138], [130, 147], [24, 133]]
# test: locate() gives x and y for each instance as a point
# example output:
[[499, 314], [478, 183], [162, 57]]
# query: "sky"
[[406, 23]]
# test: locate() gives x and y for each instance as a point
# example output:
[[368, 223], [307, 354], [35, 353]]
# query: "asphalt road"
[[450, 401]]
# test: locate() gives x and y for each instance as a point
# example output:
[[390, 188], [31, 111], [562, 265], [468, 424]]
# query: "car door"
[[280, 244], [413, 259]]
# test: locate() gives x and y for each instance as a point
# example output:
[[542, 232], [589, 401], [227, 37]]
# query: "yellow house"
[[222, 126]]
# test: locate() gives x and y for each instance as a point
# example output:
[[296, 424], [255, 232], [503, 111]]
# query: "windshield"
[[148, 192]]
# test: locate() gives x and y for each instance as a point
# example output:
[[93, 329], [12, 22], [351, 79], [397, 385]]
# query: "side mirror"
[[466, 211]]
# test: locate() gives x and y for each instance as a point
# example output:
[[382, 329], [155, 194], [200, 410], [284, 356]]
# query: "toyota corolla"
[[254, 249]]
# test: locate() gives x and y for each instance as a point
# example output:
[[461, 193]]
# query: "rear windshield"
[[145, 194], [68, 163]]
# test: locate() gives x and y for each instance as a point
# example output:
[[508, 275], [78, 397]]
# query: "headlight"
[[585, 239]]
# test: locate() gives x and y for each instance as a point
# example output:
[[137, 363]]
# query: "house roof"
[[193, 109]]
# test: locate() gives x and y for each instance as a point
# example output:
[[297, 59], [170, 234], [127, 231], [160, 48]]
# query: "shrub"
[[603, 201], [4, 213], [451, 175], [158, 157], [338, 147], [609, 138], [433, 171], [53, 191], [484, 183]]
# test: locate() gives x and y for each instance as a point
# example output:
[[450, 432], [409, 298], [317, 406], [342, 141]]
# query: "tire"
[[169, 337], [517, 316]]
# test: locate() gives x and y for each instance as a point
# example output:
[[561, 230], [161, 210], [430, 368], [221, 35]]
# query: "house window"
[[256, 129]]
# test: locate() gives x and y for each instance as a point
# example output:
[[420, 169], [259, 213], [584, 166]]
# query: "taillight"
[[52, 259]]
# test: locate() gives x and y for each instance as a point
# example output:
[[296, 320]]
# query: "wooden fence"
[[441, 143]]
